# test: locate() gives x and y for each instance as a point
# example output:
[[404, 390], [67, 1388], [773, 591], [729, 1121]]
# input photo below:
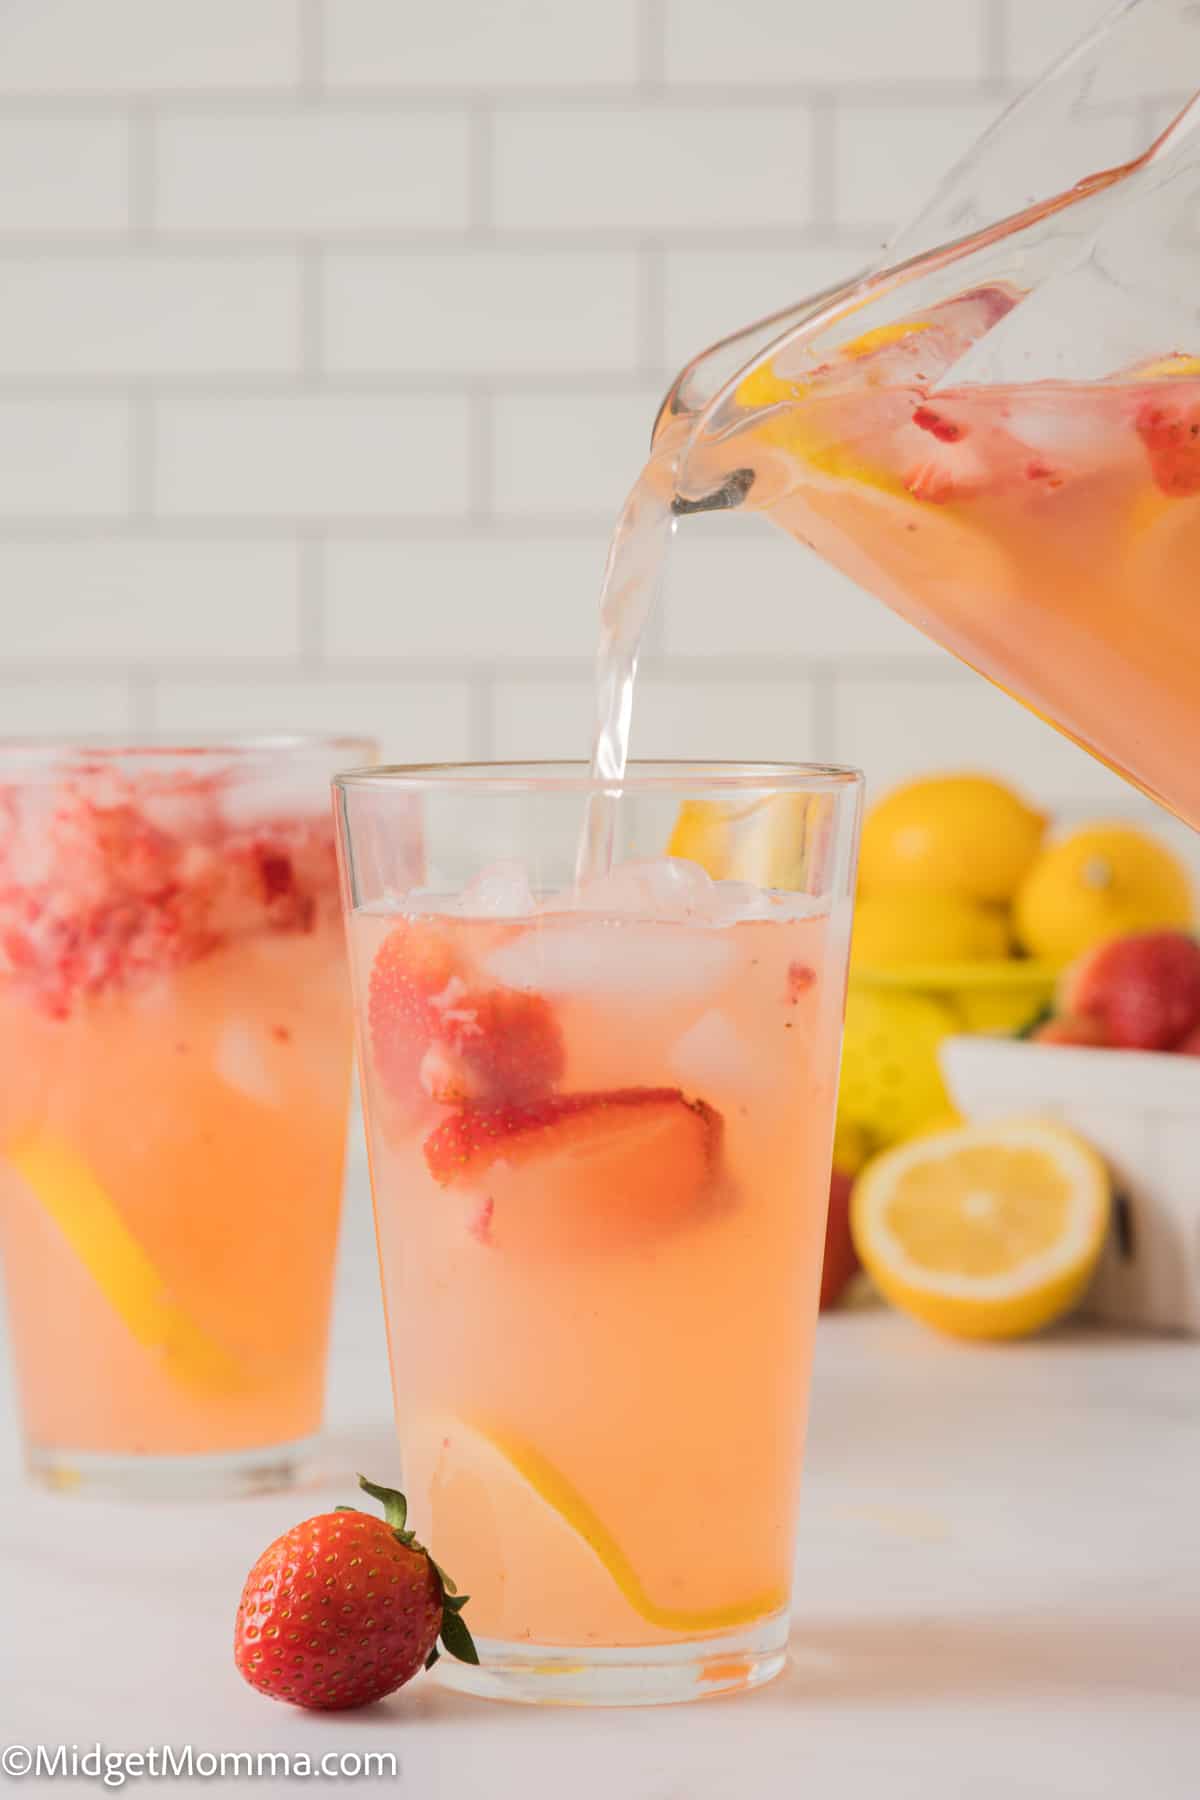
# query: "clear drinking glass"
[[600, 1121], [175, 1041]]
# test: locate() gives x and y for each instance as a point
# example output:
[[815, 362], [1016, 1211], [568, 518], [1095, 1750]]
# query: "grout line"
[[823, 716], [480, 156], [141, 700], [143, 446], [994, 23], [310, 553], [823, 152], [569, 239], [385, 98], [143, 173], [311, 28], [481, 431], [481, 712], [312, 313], [651, 47], [378, 384], [651, 317]]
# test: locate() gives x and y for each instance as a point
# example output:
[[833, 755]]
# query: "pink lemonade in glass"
[[600, 1135], [175, 1040]]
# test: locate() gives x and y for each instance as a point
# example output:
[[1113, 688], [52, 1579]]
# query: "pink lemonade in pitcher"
[[1047, 533]]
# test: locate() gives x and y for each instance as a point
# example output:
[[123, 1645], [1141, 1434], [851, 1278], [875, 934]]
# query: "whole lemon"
[[911, 927], [962, 834], [891, 1083], [1099, 882]]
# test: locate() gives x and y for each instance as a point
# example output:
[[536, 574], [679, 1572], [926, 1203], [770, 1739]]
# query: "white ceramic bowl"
[[1142, 1112]]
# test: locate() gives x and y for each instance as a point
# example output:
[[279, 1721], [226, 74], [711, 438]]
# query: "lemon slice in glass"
[[85, 1214], [520, 1536]]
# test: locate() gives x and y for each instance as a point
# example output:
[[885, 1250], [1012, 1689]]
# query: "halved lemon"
[[520, 1537], [85, 1214], [986, 1231]]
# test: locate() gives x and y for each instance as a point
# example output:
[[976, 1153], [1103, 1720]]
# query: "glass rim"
[[643, 775], [114, 747]]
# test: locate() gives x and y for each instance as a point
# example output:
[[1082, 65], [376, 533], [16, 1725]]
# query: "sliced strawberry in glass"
[[580, 1173]]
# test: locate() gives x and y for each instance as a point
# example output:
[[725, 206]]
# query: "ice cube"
[[635, 961], [501, 891], [667, 887], [712, 1054], [733, 900], [240, 1063]]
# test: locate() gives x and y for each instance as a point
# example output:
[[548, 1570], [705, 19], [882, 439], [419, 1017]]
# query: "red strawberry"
[[430, 1024], [1170, 433], [1190, 1045], [580, 1172], [1144, 989], [1072, 1029], [345, 1608]]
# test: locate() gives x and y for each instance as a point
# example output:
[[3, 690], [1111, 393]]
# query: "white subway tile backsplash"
[[327, 170], [742, 588], [148, 313], [479, 43], [57, 705], [413, 720], [646, 168], [906, 725], [889, 158], [766, 42], [64, 175], [481, 312], [479, 599], [741, 720], [146, 47], [64, 458], [708, 294], [1037, 34], [311, 456], [136, 600], [332, 333], [570, 452]]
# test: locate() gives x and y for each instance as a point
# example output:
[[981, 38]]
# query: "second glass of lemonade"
[[175, 1046], [600, 1117]]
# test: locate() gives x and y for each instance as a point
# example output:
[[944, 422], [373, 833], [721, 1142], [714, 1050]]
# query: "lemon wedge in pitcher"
[[85, 1214], [985, 1231]]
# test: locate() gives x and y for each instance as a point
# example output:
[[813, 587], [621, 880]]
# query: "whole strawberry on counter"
[[345, 1608]]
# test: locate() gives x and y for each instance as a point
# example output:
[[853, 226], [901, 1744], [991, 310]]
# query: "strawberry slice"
[[1170, 433], [413, 967], [432, 1029], [508, 1043], [580, 1173]]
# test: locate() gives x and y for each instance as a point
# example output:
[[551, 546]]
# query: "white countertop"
[[998, 1596]]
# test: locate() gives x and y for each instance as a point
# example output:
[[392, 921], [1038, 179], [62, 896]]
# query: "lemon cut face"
[[986, 1230]]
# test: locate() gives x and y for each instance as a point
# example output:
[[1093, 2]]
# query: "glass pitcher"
[[997, 430]]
